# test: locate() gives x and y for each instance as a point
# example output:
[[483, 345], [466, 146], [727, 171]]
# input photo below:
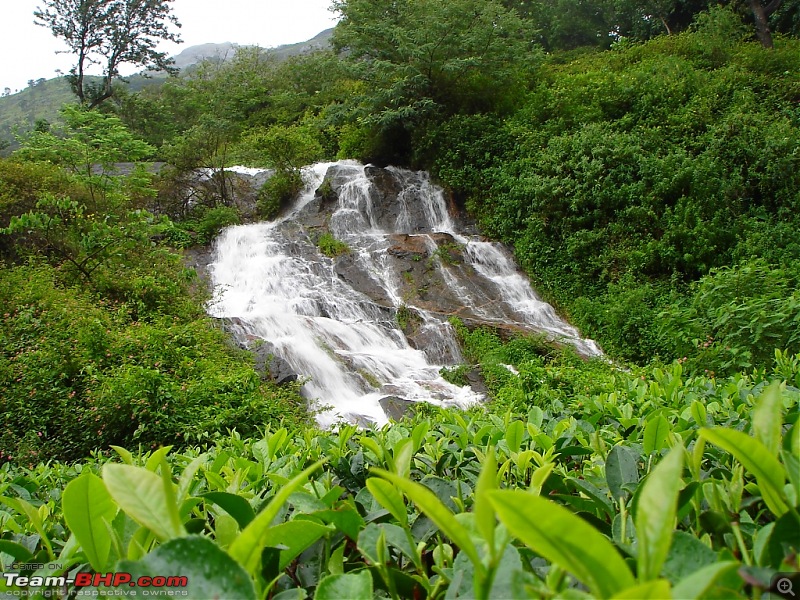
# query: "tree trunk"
[[762, 23]]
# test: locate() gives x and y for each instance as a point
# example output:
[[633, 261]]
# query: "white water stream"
[[269, 276]]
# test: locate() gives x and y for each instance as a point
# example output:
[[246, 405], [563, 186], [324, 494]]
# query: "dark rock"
[[269, 365], [313, 215], [476, 381], [244, 189], [396, 408], [360, 420], [347, 269], [408, 247]]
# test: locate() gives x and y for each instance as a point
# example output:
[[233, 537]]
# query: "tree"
[[89, 227], [761, 14], [419, 62], [109, 33], [420, 57]]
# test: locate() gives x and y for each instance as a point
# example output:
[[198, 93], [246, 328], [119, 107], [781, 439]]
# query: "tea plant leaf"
[[656, 433], [699, 414], [293, 537], [484, 514], [124, 454], [767, 418], [792, 464], [784, 540], [155, 459], [374, 535], [247, 547], [658, 589], [539, 477], [234, 505], [755, 457], [655, 514], [419, 433], [402, 453], [353, 586], [429, 504], [143, 497], [209, 571], [17, 551], [87, 507], [621, 469], [514, 435], [185, 480], [388, 497], [697, 584], [564, 539], [686, 555], [345, 518], [24, 507]]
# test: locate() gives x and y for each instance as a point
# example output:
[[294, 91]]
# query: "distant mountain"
[[42, 100], [197, 54]]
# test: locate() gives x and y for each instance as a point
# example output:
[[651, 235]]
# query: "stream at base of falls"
[[337, 321]]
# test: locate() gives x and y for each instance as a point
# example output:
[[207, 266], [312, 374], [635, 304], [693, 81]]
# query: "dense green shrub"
[[277, 192], [630, 174], [215, 220], [330, 246], [78, 373], [735, 317]]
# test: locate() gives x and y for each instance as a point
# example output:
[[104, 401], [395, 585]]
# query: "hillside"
[[19, 112]]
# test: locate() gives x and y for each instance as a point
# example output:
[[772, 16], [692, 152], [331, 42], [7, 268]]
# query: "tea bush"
[[668, 486]]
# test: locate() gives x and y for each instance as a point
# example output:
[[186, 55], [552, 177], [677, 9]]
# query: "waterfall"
[[335, 321]]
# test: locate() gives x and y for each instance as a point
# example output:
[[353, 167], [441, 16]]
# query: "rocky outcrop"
[[372, 253], [268, 364]]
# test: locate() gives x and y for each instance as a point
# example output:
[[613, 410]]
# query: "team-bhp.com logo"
[[155, 586]]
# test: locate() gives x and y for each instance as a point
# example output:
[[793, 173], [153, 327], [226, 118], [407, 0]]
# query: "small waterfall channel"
[[337, 321]]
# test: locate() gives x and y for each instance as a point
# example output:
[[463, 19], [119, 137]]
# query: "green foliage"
[[650, 190], [277, 192], [423, 60], [103, 328], [734, 317], [331, 247], [630, 174], [441, 504], [147, 370], [279, 147], [203, 226]]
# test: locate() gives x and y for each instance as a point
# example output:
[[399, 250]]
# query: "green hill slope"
[[19, 112]]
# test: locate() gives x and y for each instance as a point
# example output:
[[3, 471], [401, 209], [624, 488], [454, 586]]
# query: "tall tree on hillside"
[[761, 13], [109, 33], [424, 57]]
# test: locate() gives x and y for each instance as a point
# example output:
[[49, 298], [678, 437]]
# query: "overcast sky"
[[28, 51]]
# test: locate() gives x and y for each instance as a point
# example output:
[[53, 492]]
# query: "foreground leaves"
[[565, 539]]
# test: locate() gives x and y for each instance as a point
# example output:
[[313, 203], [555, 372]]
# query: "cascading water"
[[335, 321]]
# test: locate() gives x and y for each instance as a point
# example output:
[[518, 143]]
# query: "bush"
[[736, 316], [215, 220], [278, 191], [331, 247], [79, 373]]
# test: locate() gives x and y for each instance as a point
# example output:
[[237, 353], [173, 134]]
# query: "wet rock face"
[[353, 288], [212, 187], [268, 363], [430, 270]]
